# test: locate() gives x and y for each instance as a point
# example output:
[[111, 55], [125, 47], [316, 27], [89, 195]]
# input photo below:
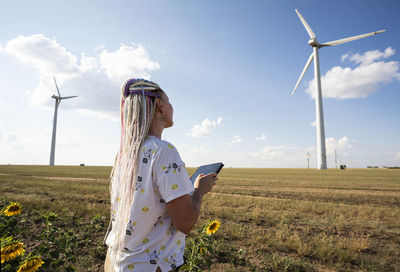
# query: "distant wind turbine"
[[321, 149], [53, 138]]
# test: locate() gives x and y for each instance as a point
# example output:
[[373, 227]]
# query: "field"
[[271, 219]]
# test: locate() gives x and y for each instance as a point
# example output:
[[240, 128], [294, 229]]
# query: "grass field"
[[271, 219]]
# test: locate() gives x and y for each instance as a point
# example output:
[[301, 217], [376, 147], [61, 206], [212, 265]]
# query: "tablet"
[[207, 169]]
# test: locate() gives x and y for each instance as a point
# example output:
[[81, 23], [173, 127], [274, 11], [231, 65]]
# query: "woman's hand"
[[204, 183]]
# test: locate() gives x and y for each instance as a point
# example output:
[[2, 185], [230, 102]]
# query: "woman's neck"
[[156, 127], [155, 132]]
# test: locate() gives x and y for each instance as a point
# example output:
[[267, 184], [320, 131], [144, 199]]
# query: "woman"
[[153, 202]]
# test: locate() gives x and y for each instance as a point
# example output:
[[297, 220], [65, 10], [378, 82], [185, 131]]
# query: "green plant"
[[201, 249]]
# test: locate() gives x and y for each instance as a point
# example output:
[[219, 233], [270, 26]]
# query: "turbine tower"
[[53, 138], [321, 149]]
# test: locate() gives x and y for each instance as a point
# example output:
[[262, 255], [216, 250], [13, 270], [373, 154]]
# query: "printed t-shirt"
[[151, 240]]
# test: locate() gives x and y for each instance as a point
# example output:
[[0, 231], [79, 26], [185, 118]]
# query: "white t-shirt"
[[151, 240]]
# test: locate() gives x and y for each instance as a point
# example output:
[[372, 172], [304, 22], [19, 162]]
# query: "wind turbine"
[[53, 138], [321, 149]]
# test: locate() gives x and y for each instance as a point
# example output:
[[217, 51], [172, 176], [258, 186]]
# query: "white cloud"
[[23, 150], [272, 153], [280, 156], [371, 56], [294, 156], [342, 145], [235, 140], [44, 53], [397, 156], [4, 135], [127, 60], [261, 138], [344, 83], [101, 115], [344, 57], [96, 79], [205, 128]]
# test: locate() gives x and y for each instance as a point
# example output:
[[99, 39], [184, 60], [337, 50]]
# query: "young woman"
[[153, 202]]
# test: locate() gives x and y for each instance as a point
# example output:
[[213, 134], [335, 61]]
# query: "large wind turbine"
[[321, 149], [53, 138]]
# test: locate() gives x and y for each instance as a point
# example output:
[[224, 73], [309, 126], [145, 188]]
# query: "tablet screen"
[[207, 169]]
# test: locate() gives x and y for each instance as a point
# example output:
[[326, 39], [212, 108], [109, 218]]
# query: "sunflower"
[[10, 249], [31, 264], [213, 227], [12, 209]]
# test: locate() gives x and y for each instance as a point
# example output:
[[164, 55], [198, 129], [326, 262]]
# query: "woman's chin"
[[169, 125]]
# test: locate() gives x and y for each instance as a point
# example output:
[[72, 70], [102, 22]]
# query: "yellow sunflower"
[[31, 264], [213, 227], [12, 209], [11, 250]]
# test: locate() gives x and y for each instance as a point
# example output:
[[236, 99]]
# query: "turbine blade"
[[55, 82], [308, 28], [67, 97], [304, 71], [345, 40]]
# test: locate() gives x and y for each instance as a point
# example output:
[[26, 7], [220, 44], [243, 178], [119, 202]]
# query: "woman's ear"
[[159, 104]]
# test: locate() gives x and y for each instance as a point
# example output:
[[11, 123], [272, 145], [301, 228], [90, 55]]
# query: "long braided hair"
[[137, 112]]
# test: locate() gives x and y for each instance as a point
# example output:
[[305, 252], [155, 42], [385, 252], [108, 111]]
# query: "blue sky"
[[229, 68]]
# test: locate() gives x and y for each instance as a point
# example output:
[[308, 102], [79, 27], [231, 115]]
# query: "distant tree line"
[[387, 167]]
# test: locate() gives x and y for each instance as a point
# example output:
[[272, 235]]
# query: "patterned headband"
[[140, 86]]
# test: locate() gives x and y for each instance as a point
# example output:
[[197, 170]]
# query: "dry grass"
[[272, 219]]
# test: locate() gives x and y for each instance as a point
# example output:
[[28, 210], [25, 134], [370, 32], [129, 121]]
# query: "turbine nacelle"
[[314, 43], [56, 97]]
